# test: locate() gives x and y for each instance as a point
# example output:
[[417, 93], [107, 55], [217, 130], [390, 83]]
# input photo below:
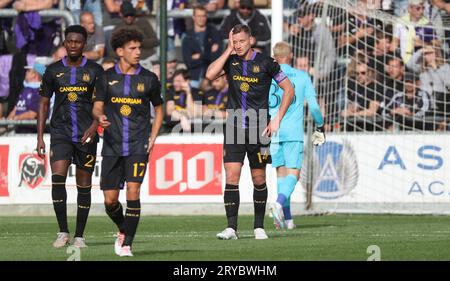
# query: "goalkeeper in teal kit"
[[286, 146]]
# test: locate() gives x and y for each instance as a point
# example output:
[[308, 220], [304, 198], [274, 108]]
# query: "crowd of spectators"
[[376, 73], [370, 74]]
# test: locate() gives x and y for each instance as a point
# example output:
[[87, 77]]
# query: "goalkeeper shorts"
[[288, 154]]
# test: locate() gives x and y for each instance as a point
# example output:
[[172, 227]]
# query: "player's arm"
[[99, 97], [99, 115], [215, 69], [157, 102], [288, 96], [157, 123], [90, 133], [318, 137], [313, 105], [42, 117], [45, 92], [286, 85]]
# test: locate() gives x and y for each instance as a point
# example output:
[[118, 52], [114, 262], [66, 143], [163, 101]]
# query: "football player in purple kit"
[[73, 137], [122, 106], [249, 75]]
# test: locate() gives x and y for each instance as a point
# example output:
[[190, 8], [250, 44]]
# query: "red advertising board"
[[4, 155], [186, 169]]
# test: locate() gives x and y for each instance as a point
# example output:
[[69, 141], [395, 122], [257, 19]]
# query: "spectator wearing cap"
[[95, 45], [129, 20], [248, 15], [415, 32], [410, 107], [28, 102], [201, 46]]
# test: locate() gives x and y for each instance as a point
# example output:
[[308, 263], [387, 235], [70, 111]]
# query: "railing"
[[52, 13], [187, 13]]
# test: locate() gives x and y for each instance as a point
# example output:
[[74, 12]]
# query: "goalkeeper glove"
[[318, 137]]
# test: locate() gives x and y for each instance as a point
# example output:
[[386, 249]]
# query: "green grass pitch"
[[185, 238]]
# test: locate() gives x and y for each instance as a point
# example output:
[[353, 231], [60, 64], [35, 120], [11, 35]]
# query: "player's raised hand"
[[103, 121], [40, 148], [230, 40], [185, 86], [318, 137]]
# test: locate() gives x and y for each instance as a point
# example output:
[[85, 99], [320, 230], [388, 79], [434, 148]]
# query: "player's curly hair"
[[124, 35]]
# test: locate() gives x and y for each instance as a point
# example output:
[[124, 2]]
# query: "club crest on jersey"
[[256, 69], [125, 110], [335, 170], [72, 97], [245, 87], [140, 87], [86, 77], [32, 170]]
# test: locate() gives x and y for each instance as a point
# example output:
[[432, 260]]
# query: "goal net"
[[383, 83]]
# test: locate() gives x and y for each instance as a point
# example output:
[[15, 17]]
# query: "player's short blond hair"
[[282, 49]]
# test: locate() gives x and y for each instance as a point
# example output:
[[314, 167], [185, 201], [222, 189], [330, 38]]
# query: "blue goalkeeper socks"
[[284, 194], [285, 187], [287, 210], [280, 197], [280, 182]]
